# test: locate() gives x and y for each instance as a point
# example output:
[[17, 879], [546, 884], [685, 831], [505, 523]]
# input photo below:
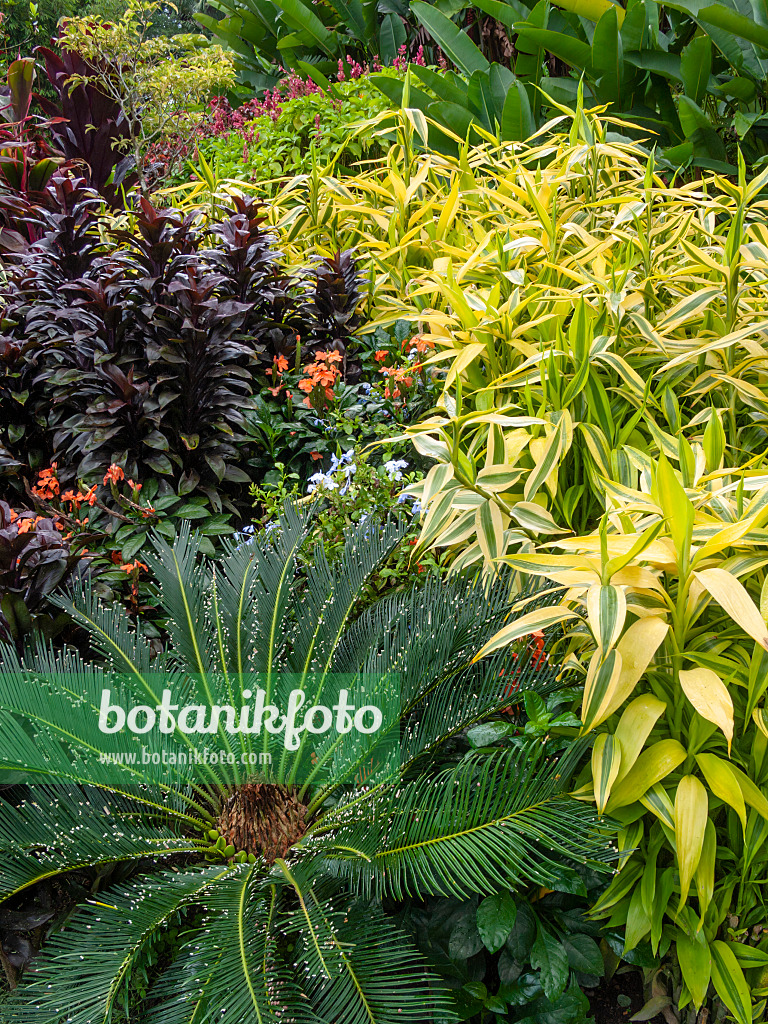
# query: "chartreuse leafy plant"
[[665, 608], [277, 879], [575, 302]]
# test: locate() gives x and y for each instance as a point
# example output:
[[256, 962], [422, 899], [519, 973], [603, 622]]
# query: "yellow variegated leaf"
[[709, 695], [606, 612], [729, 981], [498, 478], [541, 618], [657, 801], [637, 647], [760, 718], [691, 808], [435, 481], [600, 685], [549, 454], [490, 525], [634, 728], [606, 760], [733, 598]]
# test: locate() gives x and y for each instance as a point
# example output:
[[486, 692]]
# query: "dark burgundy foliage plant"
[[35, 559], [89, 127], [144, 346], [334, 307]]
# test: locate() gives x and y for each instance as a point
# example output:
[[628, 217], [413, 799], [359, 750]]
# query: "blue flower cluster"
[[343, 465]]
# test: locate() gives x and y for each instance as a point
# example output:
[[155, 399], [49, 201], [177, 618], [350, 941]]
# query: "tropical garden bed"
[[399, 361]]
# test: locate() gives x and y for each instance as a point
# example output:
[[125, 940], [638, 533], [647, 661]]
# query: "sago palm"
[[273, 874]]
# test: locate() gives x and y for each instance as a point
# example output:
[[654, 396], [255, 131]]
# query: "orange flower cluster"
[[27, 524], [47, 486], [278, 368], [130, 566], [420, 343], [114, 475], [78, 498], [398, 375], [322, 373], [538, 660]]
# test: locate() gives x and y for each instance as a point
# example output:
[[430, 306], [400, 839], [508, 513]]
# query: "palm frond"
[[231, 969], [103, 942], [58, 830], [487, 824]]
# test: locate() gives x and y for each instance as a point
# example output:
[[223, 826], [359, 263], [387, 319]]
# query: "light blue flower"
[[394, 468], [321, 480], [415, 507]]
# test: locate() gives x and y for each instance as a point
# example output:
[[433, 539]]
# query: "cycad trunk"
[[266, 820]]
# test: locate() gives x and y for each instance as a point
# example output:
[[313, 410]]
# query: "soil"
[[615, 1001]]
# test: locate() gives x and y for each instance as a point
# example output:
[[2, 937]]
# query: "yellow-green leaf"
[[634, 728], [709, 695], [691, 807], [721, 779], [653, 765], [705, 872], [676, 506], [734, 599], [695, 963]]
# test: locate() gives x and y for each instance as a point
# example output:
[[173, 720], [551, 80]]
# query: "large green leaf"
[[573, 51], [517, 122], [696, 67], [300, 17], [448, 86], [725, 18], [454, 42], [607, 57]]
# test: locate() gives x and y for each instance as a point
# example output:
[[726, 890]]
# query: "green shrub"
[[316, 128]]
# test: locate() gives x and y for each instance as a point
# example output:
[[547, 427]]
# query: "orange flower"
[[148, 511], [281, 364], [71, 498], [130, 566], [133, 486], [380, 355], [315, 456], [114, 474], [47, 486], [90, 495]]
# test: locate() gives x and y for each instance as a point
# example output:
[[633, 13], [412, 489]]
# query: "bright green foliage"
[[266, 35], [694, 74], [318, 128], [160, 83], [292, 923]]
